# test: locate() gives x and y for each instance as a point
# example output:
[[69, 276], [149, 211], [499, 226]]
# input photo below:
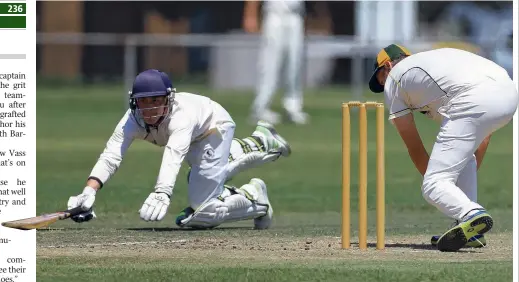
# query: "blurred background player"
[[282, 36]]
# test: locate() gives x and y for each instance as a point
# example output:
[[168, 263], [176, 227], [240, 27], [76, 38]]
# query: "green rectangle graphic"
[[12, 8], [12, 22]]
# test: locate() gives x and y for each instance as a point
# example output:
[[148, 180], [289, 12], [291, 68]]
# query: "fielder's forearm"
[[480, 152], [420, 158], [251, 9]]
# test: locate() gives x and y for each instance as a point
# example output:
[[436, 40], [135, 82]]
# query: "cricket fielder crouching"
[[196, 129], [471, 97]]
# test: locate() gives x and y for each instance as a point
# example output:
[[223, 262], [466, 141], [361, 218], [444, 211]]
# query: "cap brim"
[[373, 83]]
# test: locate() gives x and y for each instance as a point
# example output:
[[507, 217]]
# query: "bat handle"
[[73, 212]]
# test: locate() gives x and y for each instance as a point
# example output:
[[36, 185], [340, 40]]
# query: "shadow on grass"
[[61, 229], [178, 229], [421, 247], [409, 246], [399, 246]]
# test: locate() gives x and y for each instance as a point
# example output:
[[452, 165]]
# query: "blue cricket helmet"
[[151, 83]]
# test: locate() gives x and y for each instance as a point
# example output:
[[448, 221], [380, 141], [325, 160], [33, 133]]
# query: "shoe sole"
[[279, 138], [479, 239], [270, 210], [456, 238]]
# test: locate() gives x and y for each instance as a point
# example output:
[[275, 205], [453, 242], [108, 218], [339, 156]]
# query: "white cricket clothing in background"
[[426, 81], [281, 47], [283, 6], [192, 118], [471, 97]]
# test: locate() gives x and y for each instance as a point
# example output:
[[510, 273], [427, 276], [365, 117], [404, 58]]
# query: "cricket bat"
[[42, 220]]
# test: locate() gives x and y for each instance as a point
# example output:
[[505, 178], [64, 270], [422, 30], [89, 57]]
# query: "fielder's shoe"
[[262, 222], [299, 118], [476, 224], [477, 241], [272, 140], [266, 115]]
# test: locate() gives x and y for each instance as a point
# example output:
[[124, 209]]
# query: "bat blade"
[[41, 220], [32, 222]]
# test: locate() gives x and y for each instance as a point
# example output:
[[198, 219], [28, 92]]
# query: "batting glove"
[[155, 207], [86, 201]]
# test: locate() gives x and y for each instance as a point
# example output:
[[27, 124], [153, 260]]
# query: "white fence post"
[[130, 65]]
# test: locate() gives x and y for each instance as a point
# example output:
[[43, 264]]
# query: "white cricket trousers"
[[450, 182], [208, 159], [282, 41]]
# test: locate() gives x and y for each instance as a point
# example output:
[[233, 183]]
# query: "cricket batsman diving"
[[471, 97], [198, 130]]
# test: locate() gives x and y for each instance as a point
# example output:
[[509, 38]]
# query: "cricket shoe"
[[477, 241], [266, 115], [455, 238], [299, 118], [262, 222], [274, 143]]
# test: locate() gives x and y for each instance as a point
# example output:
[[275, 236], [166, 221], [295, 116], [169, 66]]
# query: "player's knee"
[[426, 189], [201, 188], [196, 200], [430, 186]]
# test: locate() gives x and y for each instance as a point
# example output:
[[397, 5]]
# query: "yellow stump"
[[363, 174], [363, 177], [380, 178], [345, 176]]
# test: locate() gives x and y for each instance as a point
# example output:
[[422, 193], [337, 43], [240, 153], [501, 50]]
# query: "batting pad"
[[248, 161], [215, 212]]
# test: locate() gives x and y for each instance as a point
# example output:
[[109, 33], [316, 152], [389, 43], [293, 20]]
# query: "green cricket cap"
[[387, 54]]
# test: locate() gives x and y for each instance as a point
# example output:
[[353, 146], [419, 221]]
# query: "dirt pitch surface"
[[249, 245]]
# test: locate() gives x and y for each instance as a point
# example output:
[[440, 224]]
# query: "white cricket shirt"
[[426, 81], [283, 6], [192, 117]]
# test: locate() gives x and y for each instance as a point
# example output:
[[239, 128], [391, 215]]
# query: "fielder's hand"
[[86, 201], [155, 207]]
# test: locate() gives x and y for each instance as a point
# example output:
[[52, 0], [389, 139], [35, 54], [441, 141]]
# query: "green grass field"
[[73, 124]]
